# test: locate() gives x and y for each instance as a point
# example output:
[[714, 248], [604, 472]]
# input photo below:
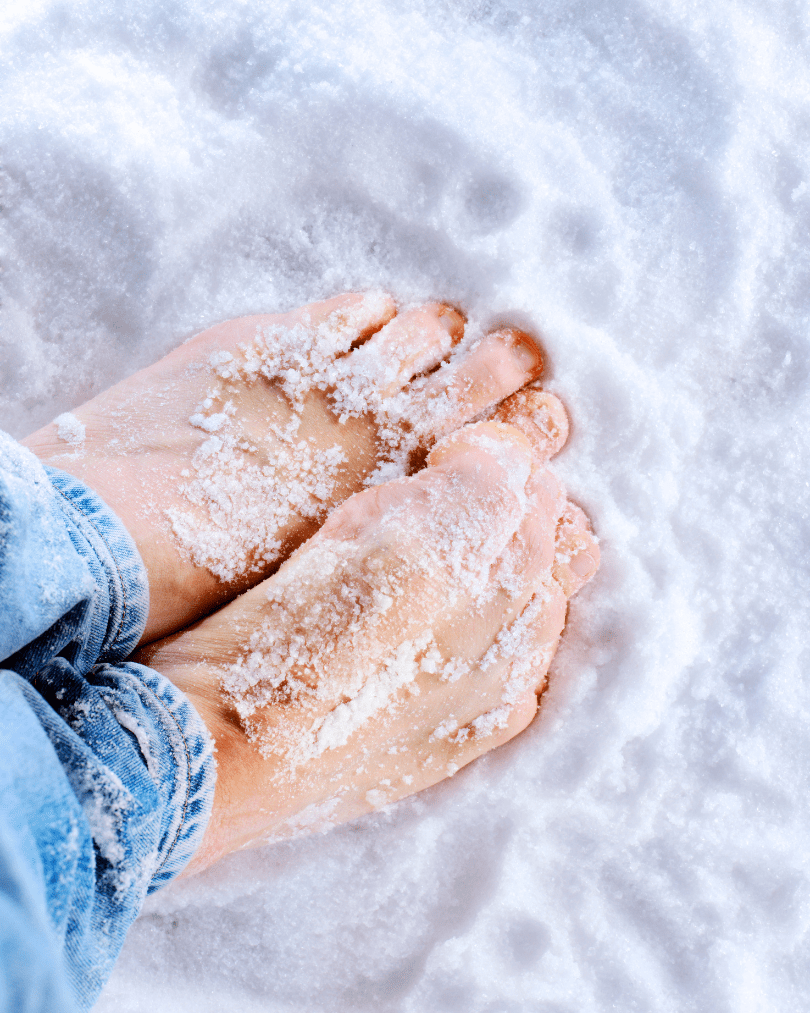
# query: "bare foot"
[[412, 633], [227, 454]]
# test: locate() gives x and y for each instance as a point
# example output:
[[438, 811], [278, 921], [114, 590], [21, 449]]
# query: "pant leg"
[[106, 770]]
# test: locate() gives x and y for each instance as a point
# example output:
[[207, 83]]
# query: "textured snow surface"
[[633, 179]]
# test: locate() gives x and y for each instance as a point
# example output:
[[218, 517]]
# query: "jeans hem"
[[117, 554], [192, 796]]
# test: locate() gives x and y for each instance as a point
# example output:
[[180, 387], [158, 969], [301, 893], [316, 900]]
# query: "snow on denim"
[[106, 770]]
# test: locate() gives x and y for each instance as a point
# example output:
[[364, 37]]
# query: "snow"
[[69, 429], [629, 178]]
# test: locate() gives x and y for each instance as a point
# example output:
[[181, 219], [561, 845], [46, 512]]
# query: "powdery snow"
[[69, 429], [630, 178]]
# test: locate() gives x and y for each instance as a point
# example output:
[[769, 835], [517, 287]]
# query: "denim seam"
[[182, 821], [121, 581]]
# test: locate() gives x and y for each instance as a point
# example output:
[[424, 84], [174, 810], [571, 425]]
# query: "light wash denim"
[[106, 770]]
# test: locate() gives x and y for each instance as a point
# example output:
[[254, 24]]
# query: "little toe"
[[540, 416], [412, 343], [576, 557], [495, 367]]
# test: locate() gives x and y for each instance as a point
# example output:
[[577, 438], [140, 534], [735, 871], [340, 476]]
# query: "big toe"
[[473, 492], [487, 445]]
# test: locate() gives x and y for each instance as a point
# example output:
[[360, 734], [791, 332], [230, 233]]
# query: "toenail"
[[452, 321], [583, 564], [526, 352]]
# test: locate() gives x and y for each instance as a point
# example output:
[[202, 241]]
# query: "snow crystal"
[[69, 429]]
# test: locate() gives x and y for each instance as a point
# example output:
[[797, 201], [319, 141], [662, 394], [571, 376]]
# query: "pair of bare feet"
[[409, 634]]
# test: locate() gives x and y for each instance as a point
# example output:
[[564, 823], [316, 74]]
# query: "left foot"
[[227, 454]]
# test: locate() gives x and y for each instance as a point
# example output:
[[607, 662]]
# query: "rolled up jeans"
[[106, 770]]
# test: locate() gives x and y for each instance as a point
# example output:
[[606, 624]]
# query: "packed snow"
[[629, 179]]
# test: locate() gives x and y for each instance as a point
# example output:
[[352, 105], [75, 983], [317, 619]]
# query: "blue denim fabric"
[[106, 770]]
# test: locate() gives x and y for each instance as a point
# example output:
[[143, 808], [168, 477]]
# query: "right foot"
[[227, 454], [407, 637]]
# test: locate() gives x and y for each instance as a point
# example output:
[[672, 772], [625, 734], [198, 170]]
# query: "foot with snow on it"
[[410, 635]]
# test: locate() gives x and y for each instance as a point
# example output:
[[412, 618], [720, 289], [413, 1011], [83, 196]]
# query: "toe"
[[540, 416], [576, 557], [520, 570], [344, 321], [460, 512], [412, 343], [494, 368], [492, 452]]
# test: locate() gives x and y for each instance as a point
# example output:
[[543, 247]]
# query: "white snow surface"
[[632, 179]]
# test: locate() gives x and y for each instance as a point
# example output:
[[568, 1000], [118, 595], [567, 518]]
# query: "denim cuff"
[[120, 619], [178, 752], [107, 772]]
